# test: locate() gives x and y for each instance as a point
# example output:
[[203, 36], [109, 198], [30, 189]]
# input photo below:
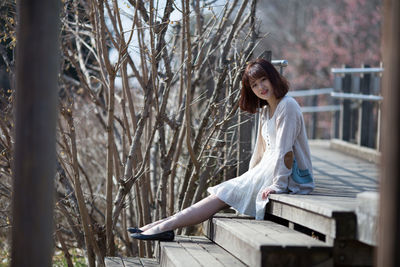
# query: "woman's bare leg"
[[192, 215], [148, 226]]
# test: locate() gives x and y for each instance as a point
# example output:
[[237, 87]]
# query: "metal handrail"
[[280, 63], [313, 109], [356, 70], [311, 92], [351, 96]]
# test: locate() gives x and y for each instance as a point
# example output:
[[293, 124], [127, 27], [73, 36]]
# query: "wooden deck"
[[341, 213], [130, 262], [265, 243], [340, 175], [195, 251], [331, 209]]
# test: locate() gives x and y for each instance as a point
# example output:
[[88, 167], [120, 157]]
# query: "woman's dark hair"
[[256, 69]]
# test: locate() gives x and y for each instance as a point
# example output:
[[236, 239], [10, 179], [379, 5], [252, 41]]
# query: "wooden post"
[[345, 115], [36, 112], [314, 118], [355, 111], [367, 119], [335, 132], [389, 221]]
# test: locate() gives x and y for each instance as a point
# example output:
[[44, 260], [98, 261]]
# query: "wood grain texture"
[[330, 209], [130, 262], [263, 243], [113, 262], [195, 251]]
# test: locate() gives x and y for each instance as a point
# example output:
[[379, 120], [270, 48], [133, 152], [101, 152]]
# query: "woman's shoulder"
[[289, 104]]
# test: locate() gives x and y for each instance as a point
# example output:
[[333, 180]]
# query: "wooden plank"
[[113, 262], [258, 243], [131, 262], [195, 251], [147, 262], [220, 254], [271, 234], [234, 244], [198, 253], [173, 254], [207, 225], [365, 153], [317, 222], [340, 224], [195, 245], [322, 205], [284, 236], [367, 217], [340, 174]]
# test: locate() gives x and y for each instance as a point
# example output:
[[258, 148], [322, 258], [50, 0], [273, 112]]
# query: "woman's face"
[[263, 89]]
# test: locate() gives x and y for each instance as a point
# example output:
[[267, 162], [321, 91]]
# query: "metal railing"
[[354, 103], [356, 70], [358, 92], [357, 96], [281, 63]]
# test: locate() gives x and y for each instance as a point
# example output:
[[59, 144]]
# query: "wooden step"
[[367, 217], [195, 251], [265, 243], [331, 208], [131, 262], [331, 216]]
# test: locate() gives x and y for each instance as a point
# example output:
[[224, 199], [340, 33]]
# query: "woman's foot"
[[163, 236], [145, 227], [154, 230], [133, 230]]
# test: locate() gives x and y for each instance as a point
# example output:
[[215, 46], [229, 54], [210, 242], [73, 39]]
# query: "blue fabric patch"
[[301, 176]]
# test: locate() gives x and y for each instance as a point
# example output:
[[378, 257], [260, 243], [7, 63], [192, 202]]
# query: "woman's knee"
[[219, 202]]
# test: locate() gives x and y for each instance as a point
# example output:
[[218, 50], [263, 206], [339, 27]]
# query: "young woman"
[[280, 162]]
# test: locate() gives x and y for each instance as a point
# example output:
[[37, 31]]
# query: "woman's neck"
[[273, 103]]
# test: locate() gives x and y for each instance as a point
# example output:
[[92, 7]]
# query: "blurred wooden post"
[[367, 133], [335, 133], [345, 112], [36, 113], [389, 221], [314, 120]]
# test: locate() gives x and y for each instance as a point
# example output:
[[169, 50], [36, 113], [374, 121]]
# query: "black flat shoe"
[[163, 236], [133, 230]]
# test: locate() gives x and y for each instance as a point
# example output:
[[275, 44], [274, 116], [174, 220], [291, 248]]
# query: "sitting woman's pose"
[[280, 162]]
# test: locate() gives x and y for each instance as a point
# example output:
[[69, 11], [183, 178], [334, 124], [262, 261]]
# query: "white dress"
[[282, 133]]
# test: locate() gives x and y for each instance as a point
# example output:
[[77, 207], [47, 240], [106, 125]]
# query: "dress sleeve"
[[288, 122], [260, 145]]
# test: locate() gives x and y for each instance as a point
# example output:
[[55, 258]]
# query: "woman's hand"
[[266, 192]]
